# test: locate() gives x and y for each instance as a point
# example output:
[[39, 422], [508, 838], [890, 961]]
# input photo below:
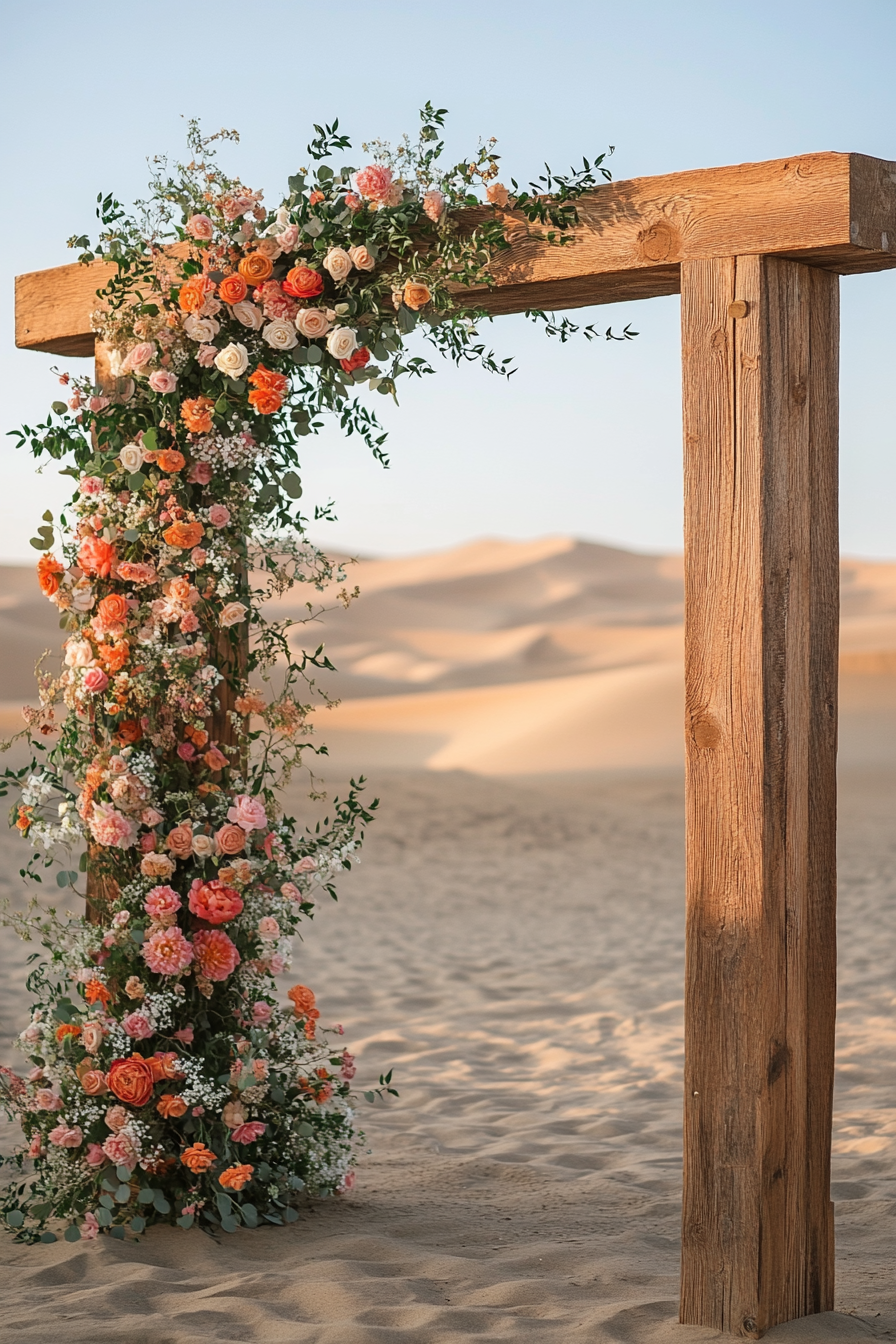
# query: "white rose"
[[280, 334], [338, 263], [82, 597], [248, 314], [131, 457], [361, 258], [201, 329], [78, 653], [342, 342], [232, 360], [203, 846], [312, 322]]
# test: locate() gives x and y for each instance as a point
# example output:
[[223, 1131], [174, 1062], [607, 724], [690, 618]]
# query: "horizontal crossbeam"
[[836, 211]]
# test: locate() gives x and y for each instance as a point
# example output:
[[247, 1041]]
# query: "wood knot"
[[659, 242], [719, 341], [799, 392], [705, 732]]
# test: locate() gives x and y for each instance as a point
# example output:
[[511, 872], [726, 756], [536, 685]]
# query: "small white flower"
[[342, 342], [232, 360], [280, 334]]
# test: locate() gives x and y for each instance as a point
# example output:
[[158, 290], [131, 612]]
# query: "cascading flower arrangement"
[[167, 1082]]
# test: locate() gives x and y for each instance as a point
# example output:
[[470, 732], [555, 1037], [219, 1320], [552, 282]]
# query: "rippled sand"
[[515, 951]]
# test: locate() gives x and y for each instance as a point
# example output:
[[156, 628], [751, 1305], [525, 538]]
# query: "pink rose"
[[97, 404], [147, 842], [138, 356], [247, 812], [36, 1147], [66, 1136], [206, 356], [198, 556], [185, 1034], [268, 928], [90, 485], [95, 680], [219, 515], [248, 1132], [161, 904], [200, 473], [277, 963], [290, 891], [150, 817], [137, 1026], [261, 1013], [45, 1099], [90, 1227], [189, 623], [200, 226], [348, 1066], [433, 204], [120, 1149], [186, 751], [348, 1183], [306, 865], [95, 1157], [162, 381], [288, 238], [374, 182]]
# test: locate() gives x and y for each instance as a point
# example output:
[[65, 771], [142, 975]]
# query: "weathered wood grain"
[[760, 431], [837, 211]]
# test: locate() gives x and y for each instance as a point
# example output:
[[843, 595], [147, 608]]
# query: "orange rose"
[[67, 1029], [269, 380], [48, 571], [196, 414], [255, 268], [96, 556], [128, 733], [113, 610], [114, 656], [180, 841], [233, 289], [163, 1064], [303, 1000], [416, 295], [234, 1178], [184, 535], [230, 839], [265, 401], [303, 282], [131, 1080], [197, 735], [170, 460], [198, 1158], [194, 293], [170, 1107]]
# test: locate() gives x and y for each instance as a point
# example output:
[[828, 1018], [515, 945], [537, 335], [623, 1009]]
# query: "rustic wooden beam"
[[760, 360], [836, 211]]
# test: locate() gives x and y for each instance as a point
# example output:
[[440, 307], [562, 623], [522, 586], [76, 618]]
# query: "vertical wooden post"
[[760, 366]]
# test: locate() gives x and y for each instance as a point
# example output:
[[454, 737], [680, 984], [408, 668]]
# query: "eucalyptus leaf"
[[72, 1232], [131, 534], [103, 1216], [315, 354], [292, 485], [107, 1201], [145, 1196], [48, 1237], [117, 1232], [122, 1194], [313, 227], [229, 1223], [60, 407], [160, 1203], [150, 441], [123, 1174], [138, 1223], [250, 1214], [290, 1216], [224, 1203], [15, 1218], [136, 481], [185, 1220]]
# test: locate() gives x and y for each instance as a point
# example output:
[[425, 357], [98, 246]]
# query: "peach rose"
[[234, 613], [233, 1114], [374, 183], [339, 263], [93, 1082], [92, 1037], [249, 315], [230, 839], [312, 323], [433, 204], [180, 841], [156, 865], [342, 342], [171, 1107], [361, 258], [497, 193], [416, 295], [214, 901], [200, 227]]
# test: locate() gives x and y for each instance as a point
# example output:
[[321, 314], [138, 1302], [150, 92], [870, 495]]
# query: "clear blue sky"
[[584, 439]]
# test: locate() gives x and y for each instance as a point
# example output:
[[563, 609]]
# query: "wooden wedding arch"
[[755, 251]]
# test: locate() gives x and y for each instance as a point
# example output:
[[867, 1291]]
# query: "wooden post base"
[[760, 363]]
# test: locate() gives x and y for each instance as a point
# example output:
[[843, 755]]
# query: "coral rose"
[[214, 902], [114, 656], [180, 841], [198, 1158], [161, 904], [216, 956], [269, 380], [265, 402], [48, 571], [303, 1000], [249, 1132], [129, 732], [112, 610], [96, 556], [171, 460], [163, 1064], [230, 839], [256, 268], [194, 293], [131, 1080], [233, 289], [234, 1178], [416, 295], [215, 759], [111, 827], [361, 258], [171, 1107], [93, 1082], [374, 183], [184, 535], [302, 282], [167, 952], [95, 680], [196, 414], [433, 204]]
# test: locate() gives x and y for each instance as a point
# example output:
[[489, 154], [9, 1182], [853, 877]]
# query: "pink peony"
[[168, 952], [162, 381], [95, 680], [137, 1026], [66, 1136], [214, 902], [90, 1227], [216, 956], [268, 927], [120, 1149], [374, 182], [90, 485], [110, 827], [161, 904], [95, 1157], [200, 473], [433, 204], [248, 813], [249, 1132], [185, 1034], [200, 226], [219, 515]]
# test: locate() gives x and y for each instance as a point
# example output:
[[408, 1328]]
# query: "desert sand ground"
[[512, 944]]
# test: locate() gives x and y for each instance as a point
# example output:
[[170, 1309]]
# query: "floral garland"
[[167, 1083]]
